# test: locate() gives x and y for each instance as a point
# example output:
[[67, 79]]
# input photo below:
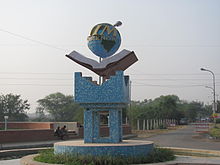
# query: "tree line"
[[60, 107], [14, 107], [168, 107], [54, 107]]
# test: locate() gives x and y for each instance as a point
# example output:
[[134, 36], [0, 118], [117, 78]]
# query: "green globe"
[[104, 40]]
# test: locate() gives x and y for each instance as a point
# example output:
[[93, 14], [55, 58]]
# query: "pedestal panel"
[[127, 148]]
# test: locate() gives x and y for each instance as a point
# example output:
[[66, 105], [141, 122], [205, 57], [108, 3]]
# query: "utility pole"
[[214, 101]]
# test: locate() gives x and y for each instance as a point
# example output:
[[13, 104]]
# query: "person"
[[57, 132], [63, 132]]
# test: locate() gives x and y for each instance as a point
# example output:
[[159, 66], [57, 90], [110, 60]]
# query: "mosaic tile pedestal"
[[127, 148], [109, 97]]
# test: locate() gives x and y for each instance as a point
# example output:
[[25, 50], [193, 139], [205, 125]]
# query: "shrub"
[[217, 120], [160, 155], [215, 132], [157, 155]]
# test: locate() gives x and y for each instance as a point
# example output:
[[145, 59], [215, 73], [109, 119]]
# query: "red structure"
[[41, 131]]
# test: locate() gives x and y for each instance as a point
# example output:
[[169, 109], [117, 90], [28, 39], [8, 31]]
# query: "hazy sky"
[[173, 39]]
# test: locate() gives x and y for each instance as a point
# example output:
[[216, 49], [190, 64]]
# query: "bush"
[[215, 132], [217, 120], [160, 155], [157, 155]]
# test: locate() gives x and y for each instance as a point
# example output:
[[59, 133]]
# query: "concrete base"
[[127, 148], [180, 160]]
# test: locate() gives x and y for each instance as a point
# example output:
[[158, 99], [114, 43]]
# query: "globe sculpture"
[[104, 40], [108, 97]]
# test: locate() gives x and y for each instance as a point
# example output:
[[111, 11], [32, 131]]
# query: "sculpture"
[[107, 97]]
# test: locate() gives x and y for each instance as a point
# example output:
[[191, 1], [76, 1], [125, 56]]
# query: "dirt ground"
[[149, 133]]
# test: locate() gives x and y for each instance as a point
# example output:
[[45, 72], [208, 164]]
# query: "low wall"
[[27, 135], [11, 136], [27, 125]]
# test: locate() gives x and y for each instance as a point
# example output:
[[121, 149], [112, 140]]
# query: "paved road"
[[184, 138], [10, 162]]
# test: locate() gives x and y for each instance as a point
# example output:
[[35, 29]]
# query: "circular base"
[[127, 148]]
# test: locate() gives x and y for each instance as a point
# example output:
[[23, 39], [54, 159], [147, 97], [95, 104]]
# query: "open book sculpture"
[[108, 66], [105, 100]]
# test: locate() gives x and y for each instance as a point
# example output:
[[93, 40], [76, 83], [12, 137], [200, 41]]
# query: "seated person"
[[57, 132], [63, 132]]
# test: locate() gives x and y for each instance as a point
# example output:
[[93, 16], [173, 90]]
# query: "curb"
[[194, 152], [29, 160], [189, 160], [27, 145], [130, 136], [20, 152]]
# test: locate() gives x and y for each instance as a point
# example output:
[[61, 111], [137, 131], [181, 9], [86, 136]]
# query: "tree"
[[60, 107], [133, 112], [13, 107], [40, 115], [218, 106], [163, 107], [167, 107], [195, 110]]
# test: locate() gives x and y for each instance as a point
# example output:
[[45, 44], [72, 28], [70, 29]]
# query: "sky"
[[172, 40]]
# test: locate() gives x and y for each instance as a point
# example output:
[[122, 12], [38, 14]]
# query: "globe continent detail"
[[104, 40]]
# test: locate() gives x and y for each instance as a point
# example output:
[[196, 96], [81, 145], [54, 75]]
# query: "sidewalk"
[[22, 145], [191, 160], [181, 160]]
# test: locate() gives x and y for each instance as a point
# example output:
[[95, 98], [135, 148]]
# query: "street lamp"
[[217, 102], [212, 92], [209, 88], [213, 77], [6, 118]]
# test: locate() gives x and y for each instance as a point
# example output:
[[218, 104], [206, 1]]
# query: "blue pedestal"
[[110, 97], [127, 148]]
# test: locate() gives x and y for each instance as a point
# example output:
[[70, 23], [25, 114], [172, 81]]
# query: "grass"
[[215, 132], [157, 155]]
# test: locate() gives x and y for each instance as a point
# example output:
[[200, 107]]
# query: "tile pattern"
[[111, 96], [121, 149], [114, 90]]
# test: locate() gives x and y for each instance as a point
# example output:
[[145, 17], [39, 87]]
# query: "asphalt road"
[[10, 162], [184, 138]]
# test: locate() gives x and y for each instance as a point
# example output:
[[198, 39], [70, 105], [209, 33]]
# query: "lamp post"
[[212, 92], [217, 103], [213, 78], [6, 118], [210, 88]]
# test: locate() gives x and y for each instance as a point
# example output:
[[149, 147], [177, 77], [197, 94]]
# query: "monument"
[[108, 96]]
